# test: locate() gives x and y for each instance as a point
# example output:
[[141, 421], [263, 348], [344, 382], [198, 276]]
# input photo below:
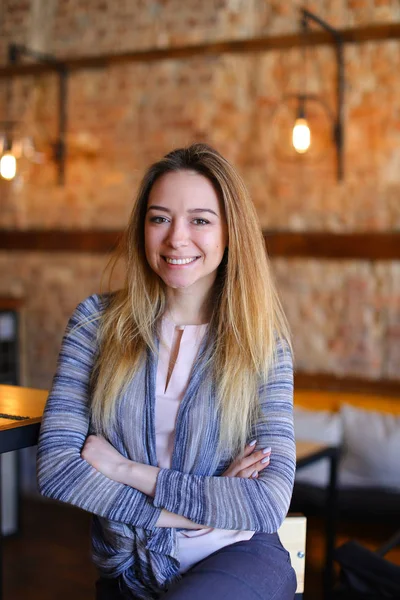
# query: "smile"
[[180, 261]]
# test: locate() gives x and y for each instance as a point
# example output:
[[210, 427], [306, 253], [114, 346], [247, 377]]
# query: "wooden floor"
[[50, 559]]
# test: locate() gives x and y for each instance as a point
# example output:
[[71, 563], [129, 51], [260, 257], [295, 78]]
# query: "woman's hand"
[[250, 463], [105, 458]]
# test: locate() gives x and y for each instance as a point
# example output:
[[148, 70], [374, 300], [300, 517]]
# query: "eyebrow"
[[193, 210]]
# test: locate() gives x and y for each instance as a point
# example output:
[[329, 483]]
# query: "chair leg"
[[392, 543]]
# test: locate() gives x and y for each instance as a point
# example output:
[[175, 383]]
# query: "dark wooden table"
[[21, 412]]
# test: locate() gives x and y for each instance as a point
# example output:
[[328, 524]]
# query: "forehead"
[[184, 188]]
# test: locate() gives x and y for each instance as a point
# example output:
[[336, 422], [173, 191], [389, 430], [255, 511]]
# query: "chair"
[[367, 575], [292, 534]]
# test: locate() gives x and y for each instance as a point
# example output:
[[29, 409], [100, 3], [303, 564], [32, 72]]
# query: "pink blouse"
[[193, 544]]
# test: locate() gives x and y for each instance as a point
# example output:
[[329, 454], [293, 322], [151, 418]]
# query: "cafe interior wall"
[[344, 315]]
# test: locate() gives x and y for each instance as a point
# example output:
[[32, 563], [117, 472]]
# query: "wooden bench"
[[293, 537]]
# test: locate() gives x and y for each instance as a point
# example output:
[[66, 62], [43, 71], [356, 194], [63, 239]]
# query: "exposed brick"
[[123, 117], [345, 316]]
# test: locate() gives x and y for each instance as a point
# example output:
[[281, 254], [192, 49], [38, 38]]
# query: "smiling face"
[[185, 231]]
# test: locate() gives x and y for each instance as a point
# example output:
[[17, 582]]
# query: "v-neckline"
[[193, 383], [174, 353]]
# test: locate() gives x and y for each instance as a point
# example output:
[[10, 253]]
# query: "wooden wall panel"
[[327, 381], [318, 245]]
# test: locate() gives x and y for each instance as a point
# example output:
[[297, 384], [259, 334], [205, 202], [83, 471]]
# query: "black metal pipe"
[[8, 124], [60, 150], [338, 130], [15, 51], [312, 17]]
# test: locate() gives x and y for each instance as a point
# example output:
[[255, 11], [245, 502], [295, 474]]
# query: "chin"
[[178, 285]]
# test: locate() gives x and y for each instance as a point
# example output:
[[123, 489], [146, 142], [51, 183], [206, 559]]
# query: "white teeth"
[[179, 261]]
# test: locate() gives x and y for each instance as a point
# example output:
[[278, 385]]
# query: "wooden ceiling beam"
[[346, 383], [367, 33], [288, 244], [339, 246]]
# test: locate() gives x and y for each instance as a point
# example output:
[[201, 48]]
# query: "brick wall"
[[344, 315]]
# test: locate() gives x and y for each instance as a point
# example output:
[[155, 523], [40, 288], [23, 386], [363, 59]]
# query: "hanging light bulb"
[[8, 162], [301, 135], [8, 166], [11, 150]]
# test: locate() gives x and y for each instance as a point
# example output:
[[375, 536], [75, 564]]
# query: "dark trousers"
[[257, 569]]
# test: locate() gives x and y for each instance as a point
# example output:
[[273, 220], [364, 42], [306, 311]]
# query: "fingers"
[[260, 466], [255, 457], [249, 448], [247, 463], [253, 469], [239, 463]]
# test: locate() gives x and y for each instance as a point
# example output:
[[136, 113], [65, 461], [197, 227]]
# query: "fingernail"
[[266, 450], [254, 474], [265, 460], [253, 443]]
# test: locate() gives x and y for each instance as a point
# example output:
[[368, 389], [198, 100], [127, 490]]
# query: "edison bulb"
[[301, 137], [8, 166]]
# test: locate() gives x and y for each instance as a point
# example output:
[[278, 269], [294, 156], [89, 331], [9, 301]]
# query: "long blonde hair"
[[247, 316]]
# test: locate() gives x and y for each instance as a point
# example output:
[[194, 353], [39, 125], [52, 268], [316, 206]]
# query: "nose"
[[178, 235]]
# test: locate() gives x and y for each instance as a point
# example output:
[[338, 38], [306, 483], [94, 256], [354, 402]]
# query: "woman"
[[170, 416]]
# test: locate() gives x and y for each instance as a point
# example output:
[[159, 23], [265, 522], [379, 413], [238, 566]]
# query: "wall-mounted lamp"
[[301, 135], [13, 145]]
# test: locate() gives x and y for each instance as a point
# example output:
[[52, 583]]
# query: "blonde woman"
[[170, 416]]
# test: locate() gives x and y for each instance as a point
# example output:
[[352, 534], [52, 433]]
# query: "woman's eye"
[[159, 220], [200, 221]]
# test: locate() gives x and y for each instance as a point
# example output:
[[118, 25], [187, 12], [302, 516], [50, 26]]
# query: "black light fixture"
[[301, 134], [13, 146]]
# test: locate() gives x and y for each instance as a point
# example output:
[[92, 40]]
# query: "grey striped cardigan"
[[125, 541]]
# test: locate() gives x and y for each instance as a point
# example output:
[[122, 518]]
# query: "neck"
[[186, 308]]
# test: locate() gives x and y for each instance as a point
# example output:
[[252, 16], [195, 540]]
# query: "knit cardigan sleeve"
[[237, 503], [62, 473]]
